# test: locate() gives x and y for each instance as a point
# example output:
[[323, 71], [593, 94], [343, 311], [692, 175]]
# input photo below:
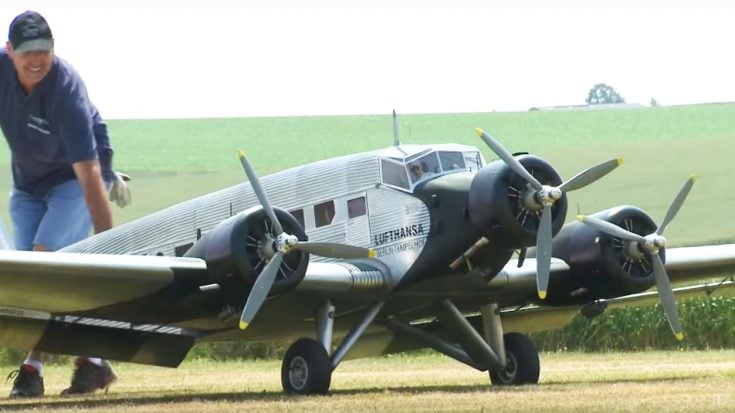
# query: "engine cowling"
[[502, 208], [602, 266], [237, 249]]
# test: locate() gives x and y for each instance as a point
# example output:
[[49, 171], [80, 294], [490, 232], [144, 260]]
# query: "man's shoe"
[[27, 383], [89, 377]]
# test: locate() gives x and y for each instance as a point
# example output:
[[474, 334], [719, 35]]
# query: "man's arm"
[[89, 175]]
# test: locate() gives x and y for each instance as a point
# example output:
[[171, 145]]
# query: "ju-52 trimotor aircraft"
[[367, 254]]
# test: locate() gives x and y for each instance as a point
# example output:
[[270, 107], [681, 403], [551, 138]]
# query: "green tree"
[[603, 94]]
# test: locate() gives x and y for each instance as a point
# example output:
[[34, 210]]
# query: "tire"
[[306, 368], [523, 363]]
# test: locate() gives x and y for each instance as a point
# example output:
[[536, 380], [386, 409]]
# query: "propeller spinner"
[[651, 244], [539, 196], [283, 244]]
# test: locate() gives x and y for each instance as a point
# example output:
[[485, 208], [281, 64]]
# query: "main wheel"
[[523, 364], [306, 368]]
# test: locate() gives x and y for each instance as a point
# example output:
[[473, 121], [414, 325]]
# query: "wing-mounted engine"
[[631, 259], [506, 209], [601, 265], [259, 246], [238, 249]]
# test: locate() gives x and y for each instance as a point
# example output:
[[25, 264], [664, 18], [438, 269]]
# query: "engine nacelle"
[[602, 266], [499, 202], [237, 249]]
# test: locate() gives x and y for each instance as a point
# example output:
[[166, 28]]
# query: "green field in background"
[[173, 160]]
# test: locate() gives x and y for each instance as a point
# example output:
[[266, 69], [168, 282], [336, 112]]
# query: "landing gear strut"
[[307, 366]]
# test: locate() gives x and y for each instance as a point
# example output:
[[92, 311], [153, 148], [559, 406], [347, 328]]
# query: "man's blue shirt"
[[51, 128]]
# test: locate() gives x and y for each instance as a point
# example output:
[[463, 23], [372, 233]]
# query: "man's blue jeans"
[[59, 219]]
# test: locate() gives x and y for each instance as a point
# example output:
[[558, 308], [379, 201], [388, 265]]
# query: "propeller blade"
[[678, 201], [543, 252], [590, 175], [508, 159], [260, 290], [334, 250], [666, 293], [259, 192], [610, 229]]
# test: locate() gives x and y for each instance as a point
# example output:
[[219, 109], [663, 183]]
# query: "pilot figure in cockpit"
[[417, 172]]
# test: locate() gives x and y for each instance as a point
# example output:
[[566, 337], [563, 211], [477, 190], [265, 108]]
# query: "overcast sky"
[[188, 59]]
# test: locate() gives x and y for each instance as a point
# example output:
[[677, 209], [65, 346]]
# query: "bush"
[[708, 323]]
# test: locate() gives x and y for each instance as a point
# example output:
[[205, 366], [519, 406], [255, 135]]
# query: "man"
[[417, 172], [61, 161]]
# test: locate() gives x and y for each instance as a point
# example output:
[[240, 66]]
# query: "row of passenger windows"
[[325, 212]]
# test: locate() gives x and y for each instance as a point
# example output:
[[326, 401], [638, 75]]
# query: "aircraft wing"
[[42, 295], [64, 282], [682, 264], [697, 263], [534, 318]]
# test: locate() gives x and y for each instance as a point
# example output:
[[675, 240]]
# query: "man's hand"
[[120, 193]]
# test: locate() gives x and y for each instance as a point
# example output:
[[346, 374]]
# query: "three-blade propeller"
[[283, 243], [543, 198], [650, 245]]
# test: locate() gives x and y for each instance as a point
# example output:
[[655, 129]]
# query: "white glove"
[[120, 193]]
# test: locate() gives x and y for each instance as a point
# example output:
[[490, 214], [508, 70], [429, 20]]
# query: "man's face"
[[32, 66]]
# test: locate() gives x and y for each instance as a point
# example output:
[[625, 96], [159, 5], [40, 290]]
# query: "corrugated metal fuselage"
[[398, 224]]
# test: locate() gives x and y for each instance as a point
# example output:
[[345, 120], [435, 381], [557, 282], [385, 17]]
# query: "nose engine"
[[507, 210]]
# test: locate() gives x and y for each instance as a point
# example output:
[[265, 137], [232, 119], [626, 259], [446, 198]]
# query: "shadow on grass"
[[133, 399]]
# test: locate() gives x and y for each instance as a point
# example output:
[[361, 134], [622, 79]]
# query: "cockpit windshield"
[[406, 173]]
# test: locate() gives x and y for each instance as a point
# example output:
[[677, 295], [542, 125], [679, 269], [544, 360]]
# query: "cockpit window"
[[423, 167], [473, 161], [451, 160], [394, 173], [406, 173]]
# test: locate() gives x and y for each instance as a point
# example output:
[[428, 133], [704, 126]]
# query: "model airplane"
[[406, 247]]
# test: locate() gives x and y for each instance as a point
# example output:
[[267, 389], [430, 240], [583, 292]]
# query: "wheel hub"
[[298, 373], [508, 374]]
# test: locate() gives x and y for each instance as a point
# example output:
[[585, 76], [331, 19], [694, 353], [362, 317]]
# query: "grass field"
[[174, 160], [631, 382]]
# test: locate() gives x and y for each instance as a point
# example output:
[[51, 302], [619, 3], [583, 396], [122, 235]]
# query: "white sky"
[[189, 59]]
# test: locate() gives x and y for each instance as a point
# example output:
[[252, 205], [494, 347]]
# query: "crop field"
[[174, 160], [570, 382]]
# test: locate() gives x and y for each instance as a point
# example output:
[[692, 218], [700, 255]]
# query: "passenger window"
[[323, 213], [356, 207], [299, 215]]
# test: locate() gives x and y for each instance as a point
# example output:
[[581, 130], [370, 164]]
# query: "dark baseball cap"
[[29, 31]]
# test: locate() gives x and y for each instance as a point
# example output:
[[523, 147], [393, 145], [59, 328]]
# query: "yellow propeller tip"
[[620, 161], [580, 218], [694, 177], [680, 336], [240, 153], [479, 131], [243, 325], [542, 295], [371, 253]]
